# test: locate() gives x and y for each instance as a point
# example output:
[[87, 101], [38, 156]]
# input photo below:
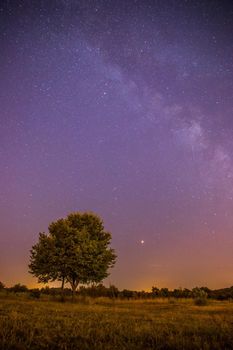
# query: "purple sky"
[[124, 108]]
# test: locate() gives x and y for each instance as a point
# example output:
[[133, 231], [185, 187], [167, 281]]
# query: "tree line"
[[112, 292]]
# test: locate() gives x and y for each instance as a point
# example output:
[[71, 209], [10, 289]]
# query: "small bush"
[[200, 296]]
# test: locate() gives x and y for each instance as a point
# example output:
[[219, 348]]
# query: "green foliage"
[[76, 250], [200, 296]]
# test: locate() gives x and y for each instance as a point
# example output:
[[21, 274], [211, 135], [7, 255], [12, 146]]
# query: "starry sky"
[[124, 108]]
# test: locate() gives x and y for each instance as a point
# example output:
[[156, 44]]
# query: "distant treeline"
[[113, 292]]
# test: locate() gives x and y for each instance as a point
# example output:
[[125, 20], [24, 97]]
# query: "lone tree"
[[76, 250]]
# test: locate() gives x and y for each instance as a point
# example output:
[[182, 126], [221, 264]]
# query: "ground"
[[107, 324]]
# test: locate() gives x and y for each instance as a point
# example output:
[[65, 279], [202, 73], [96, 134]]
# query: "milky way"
[[124, 108]]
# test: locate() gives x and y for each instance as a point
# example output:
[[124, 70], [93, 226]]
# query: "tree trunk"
[[62, 289], [74, 285], [73, 291]]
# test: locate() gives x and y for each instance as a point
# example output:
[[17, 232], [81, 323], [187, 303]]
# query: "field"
[[107, 324]]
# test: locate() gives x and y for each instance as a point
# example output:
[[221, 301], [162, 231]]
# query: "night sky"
[[123, 108]]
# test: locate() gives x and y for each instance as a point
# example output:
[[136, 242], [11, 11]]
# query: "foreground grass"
[[105, 324]]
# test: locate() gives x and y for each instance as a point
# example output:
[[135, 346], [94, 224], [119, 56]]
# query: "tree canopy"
[[75, 250]]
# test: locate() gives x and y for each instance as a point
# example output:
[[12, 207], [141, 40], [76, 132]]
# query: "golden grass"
[[105, 324]]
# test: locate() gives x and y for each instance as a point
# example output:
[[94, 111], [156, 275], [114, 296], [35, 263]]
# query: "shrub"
[[18, 288], [200, 296], [35, 293]]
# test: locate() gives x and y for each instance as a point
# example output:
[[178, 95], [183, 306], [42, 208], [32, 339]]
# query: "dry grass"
[[106, 324]]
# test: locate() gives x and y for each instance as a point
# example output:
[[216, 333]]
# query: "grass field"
[[106, 324]]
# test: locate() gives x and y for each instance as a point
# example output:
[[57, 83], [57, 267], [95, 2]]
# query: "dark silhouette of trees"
[[164, 292], [76, 250], [155, 291], [18, 288]]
